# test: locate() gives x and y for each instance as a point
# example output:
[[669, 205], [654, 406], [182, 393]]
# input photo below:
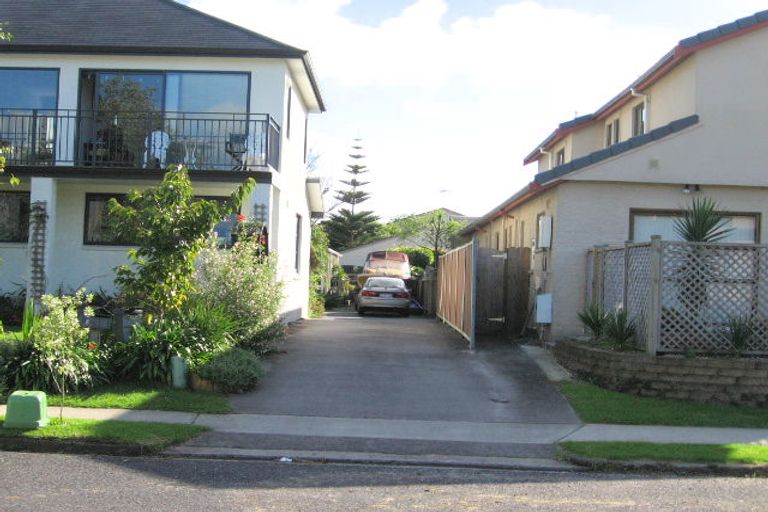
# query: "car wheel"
[[405, 313], [360, 311]]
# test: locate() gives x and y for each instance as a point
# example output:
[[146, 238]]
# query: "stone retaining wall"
[[724, 380]]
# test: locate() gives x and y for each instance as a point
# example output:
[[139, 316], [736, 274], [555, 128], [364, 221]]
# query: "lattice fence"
[[691, 298], [705, 289]]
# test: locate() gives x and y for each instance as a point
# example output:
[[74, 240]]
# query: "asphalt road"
[[387, 367], [41, 482]]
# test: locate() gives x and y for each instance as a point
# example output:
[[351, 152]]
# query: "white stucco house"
[[692, 125], [98, 97]]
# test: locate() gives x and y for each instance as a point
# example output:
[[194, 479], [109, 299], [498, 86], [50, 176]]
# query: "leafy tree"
[[172, 226], [434, 230], [348, 229], [419, 257], [354, 195]]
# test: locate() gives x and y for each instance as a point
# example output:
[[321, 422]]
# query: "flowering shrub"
[[244, 283], [58, 355]]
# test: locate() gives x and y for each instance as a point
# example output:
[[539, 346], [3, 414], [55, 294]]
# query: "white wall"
[[593, 213], [270, 79]]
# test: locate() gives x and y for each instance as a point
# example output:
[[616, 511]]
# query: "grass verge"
[[597, 405], [124, 436], [134, 396], [691, 453]]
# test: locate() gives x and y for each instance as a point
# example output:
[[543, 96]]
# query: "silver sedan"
[[384, 294]]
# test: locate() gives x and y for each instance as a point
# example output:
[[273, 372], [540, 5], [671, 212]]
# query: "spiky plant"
[[701, 222], [593, 318], [620, 330]]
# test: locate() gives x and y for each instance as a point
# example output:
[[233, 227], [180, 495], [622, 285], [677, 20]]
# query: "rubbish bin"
[[179, 369]]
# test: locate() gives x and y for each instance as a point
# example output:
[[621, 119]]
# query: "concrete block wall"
[[719, 380]]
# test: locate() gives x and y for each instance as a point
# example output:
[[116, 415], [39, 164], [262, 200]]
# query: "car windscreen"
[[385, 283]]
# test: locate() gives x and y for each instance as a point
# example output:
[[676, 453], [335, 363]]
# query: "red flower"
[[91, 346], [241, 217]]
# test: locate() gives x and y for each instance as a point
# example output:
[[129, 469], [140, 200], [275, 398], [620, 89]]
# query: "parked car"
[[384, 294]]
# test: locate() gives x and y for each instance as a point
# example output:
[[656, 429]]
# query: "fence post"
[[473, 305], [625, 291], [597, 276], [653, 315]]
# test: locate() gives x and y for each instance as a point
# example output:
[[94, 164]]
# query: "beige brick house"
[[694, 124]]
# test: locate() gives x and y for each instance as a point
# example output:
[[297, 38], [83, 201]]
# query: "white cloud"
[[451, 106]]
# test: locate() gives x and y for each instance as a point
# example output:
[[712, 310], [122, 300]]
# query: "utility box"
[[544, 308], [26, 409]]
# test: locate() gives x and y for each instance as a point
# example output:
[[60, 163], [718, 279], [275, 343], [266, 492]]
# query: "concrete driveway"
[[386, 367]]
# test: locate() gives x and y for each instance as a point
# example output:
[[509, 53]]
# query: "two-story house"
[[98, 97], [693, 124]]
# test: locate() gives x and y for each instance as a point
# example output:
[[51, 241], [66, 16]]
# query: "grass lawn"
[[135, 396], [150, 437], [695, 453], [597, 405]]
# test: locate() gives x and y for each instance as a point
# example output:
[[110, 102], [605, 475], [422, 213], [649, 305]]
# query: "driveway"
[[386, 367]]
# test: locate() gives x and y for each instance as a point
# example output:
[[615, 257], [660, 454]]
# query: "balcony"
[[140, 140]]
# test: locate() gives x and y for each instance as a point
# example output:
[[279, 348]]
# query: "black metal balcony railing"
[[140, 140]]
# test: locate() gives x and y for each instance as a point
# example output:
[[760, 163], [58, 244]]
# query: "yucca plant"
[[620, 330], [29, 319], [593, 318], [739, 331], [701, 222]]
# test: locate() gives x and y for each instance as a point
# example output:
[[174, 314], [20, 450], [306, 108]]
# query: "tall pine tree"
[[349, 228]]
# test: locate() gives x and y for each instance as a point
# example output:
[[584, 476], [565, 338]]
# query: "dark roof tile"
[[129, 26]]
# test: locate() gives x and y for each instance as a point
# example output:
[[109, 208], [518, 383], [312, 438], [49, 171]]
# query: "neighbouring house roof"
[[136, 27], [523, 195], [684, 49], [616, 149]]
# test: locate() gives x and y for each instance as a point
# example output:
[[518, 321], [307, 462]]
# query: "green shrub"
[[316, 303], [594, 319], [234, 370], [620, 331], [740, 330], [57, 355], [420, 257], [146, 356], [244, 283], [211, 324], [335, 300]]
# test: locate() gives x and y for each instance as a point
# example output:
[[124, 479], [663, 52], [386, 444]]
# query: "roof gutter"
[[524, 195]]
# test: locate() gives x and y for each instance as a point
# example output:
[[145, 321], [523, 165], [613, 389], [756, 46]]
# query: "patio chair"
[[156, 153], [254, 155], [236, 147]]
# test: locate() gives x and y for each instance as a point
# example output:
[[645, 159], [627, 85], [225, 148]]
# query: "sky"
[[448, 96]]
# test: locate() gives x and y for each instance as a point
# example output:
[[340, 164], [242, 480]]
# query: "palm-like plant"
[[702, 222]]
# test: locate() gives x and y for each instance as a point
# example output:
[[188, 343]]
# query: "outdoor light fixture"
[[687, 189]]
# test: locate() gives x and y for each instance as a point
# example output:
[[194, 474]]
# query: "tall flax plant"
[[700, 222]]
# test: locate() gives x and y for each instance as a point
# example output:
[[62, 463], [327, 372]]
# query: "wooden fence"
[[456, 290]]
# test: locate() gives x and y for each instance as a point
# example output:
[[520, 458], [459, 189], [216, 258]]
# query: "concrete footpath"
[[409, 439]]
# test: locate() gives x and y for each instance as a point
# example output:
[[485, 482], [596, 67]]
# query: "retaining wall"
[[724, 380]]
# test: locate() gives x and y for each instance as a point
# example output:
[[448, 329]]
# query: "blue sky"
[[450, 95]]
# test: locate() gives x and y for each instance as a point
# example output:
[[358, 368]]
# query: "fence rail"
[[152, 139], [686, 297]]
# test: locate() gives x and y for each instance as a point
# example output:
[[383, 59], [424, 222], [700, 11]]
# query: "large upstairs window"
[[28, 89], [638, 120], [646, 223]]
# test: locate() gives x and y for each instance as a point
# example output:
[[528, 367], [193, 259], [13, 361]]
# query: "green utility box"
[[26, 409]]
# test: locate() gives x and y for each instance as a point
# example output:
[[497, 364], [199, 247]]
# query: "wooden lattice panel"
[[613, 279], [704, 287], [638, 283]]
